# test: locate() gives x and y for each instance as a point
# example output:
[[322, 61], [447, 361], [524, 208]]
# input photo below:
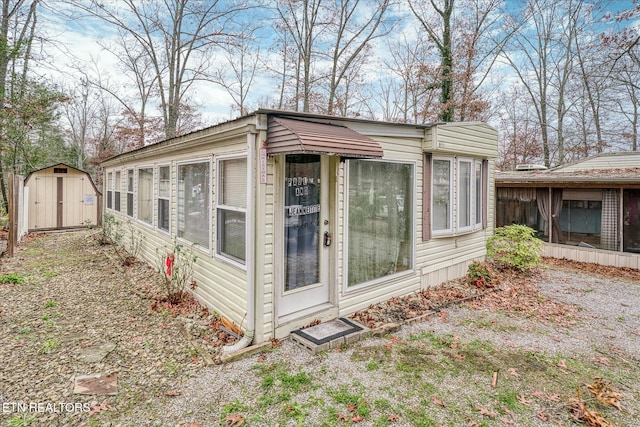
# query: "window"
[[464, 195], [116, 202], [442, 183], [479, 192], [193, 203], [380, 220], [232, 208], [130, 192], [145, 195], [164, 193], [109, 190]]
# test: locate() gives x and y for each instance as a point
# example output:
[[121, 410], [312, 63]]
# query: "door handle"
[[327, 239]]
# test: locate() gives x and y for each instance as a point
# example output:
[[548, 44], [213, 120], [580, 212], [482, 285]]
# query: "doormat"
[[325, 332]]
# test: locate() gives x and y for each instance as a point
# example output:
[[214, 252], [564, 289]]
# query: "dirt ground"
[[557, 347]]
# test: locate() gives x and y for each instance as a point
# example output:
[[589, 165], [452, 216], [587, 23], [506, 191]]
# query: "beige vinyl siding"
[[406, 150], [265, 259], [438, 259], [221, 285], [462, 139]]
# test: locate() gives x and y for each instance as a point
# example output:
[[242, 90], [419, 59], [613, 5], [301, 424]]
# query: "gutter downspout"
[[247, 339]]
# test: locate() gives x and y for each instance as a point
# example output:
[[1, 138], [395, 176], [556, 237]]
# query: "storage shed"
[[298, 217], [61, 196]]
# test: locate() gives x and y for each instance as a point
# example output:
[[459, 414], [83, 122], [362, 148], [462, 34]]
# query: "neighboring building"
[[298, 217], [593, 203], [61, 196]]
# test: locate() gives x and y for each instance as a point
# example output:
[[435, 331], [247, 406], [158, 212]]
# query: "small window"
[[116, 201], [59, 170], [442, 182], [193, 204], [479, 193], [130, 192], [109, 190], [164, 193], [464, 194], [145, 195], [232, 208]]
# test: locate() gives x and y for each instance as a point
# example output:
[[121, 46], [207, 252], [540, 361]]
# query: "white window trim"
[[448, 231], [110, 179], [345, 244], [132, 192], [219, 205], [117, 188], [198, 247], [136, 196], [158, 198], [458, 186], [477, 215]]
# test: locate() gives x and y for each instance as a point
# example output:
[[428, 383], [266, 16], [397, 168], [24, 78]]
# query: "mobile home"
[[298, 217]]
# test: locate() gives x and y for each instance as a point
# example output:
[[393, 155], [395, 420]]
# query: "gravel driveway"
[[78, 312]]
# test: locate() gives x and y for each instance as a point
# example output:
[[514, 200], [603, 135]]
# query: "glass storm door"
[[305, 210]]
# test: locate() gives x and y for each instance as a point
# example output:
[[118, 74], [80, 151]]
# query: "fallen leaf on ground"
[[513, 372], [234, 420], [393, 418], [356, 419], [543, 416], [486, 412], [604, 393], [524, 400], [553, 397], [171, 393], [438, 401], [104, 406]]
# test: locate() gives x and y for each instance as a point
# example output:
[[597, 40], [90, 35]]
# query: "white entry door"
[[304, 282]]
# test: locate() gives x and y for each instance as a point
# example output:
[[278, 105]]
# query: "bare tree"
[[242, 55], [177, 37], [356, 25]]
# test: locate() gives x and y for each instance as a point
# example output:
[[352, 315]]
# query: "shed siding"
[[77, 189]]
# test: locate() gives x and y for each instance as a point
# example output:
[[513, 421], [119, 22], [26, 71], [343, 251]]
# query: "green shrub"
[[515, 246]]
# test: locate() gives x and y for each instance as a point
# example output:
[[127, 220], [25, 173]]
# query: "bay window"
[[380, 231], [442, 196]]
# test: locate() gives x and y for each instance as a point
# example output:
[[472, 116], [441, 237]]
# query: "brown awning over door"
[[290, 136]]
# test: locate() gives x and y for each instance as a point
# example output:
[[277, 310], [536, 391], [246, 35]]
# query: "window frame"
[[117, 192], [470, 211], [219, 205], [450, 230], [348, 289], [137, 198], [158, 198], [196, 245], [131, 179], [109, 189], [479, 196]]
